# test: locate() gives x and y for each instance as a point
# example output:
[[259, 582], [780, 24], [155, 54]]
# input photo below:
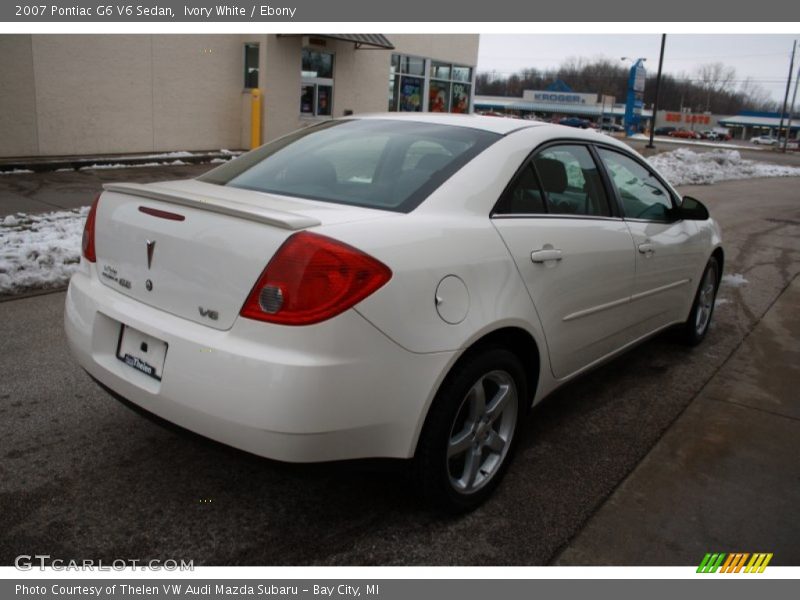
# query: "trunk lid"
[[195, 249]]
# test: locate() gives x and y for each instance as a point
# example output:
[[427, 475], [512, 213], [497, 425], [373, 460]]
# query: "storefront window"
[[439, 97], [307, 99], [250, 66], [412, 65], [462, 74], [460, 98], [411, 94], [440, 70], [393, 88], [447, 92], [316, 91], [324, 99], [317, 64], [417, 84]]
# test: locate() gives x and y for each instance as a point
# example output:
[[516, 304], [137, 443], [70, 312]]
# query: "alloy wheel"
[[482, 431]]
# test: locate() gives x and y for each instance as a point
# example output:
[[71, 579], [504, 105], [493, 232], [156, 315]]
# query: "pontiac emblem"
[[151, 245]]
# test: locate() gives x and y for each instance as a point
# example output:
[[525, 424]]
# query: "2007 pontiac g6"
[[387, 286]]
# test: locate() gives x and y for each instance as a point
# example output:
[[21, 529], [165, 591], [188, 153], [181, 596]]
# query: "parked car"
[[685, 134], [664, 130], [764, 140], [575, 122], [401, 286]]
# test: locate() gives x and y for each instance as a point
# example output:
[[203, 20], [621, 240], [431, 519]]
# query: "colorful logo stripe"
[[734, 562]]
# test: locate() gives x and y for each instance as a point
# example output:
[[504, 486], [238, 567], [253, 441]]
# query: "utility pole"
[[791, 110], [658, 89], [786, 96]]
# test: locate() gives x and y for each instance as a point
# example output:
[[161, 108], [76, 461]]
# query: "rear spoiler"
[[278, 218]]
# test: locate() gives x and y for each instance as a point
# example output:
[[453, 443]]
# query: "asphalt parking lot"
[[81, 476]]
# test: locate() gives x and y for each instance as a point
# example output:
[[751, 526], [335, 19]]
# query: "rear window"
[[386, 164]]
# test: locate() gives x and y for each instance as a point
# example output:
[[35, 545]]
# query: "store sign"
[[558, 97], [635, 98], [673, 117]]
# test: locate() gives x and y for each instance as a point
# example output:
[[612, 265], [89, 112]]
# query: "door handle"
[[540, 256], [646, 249]]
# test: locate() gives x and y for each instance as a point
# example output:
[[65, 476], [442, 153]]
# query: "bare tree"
[[712, 87], [756, 96], [715, 78]]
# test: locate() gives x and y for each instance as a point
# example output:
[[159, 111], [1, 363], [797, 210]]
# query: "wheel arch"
[[521, 343], [719, 254], [512, 337]]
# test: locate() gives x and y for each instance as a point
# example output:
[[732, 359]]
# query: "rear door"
[[573, 251], [667, 250]]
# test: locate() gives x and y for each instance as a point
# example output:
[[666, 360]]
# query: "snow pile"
[[15, 171], [684, 167], [39, 251]]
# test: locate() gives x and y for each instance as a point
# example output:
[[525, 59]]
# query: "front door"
[[666, 252]]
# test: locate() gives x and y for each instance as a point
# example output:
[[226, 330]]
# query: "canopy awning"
[[360, 40]]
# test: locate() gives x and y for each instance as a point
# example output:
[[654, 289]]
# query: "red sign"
[[676, 117]]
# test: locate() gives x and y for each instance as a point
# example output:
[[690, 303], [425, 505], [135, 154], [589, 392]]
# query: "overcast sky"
[[764, 58]]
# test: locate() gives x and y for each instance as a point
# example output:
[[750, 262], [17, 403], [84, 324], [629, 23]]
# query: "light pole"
[[786, 97], [791, 110], [658, 88]]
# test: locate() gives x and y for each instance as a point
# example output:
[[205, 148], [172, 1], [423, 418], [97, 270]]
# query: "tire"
[[696, 326], [467, 441]]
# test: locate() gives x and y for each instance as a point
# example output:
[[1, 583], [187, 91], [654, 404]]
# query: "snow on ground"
[[39, 251], [685, 167], [15, 172], [707, 143], [173, 163], [734, 280]]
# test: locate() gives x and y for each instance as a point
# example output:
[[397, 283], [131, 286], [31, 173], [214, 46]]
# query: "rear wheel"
[[696, 326], [469, 435]]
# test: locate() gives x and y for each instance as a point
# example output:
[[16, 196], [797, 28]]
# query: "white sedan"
[[764, 140], [387, 286]]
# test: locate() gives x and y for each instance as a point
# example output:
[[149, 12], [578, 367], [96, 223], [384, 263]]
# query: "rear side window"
[[559, 180], [571, 181], [643, 195], [386, 164], [524, 195]]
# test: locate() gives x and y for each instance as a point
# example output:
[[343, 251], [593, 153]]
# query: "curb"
[[44, 165]]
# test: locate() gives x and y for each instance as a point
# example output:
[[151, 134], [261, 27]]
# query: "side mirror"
[[692, 209]]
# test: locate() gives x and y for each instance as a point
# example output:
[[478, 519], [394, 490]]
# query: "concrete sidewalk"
[[726, 475]]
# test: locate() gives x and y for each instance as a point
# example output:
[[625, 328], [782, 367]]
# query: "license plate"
[[141, 352]]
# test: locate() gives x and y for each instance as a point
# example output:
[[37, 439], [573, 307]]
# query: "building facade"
[[749, 124], [116, 94], [553, 105]]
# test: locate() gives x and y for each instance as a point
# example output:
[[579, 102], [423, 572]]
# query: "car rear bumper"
[[335, 390]]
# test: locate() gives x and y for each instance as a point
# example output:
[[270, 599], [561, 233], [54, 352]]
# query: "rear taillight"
[[313, 278], [88, 233]]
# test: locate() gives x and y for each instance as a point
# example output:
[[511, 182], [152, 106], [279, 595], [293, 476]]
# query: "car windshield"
[[377, 163]]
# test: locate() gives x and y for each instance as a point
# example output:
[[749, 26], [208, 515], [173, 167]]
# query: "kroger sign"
[[559, 97]]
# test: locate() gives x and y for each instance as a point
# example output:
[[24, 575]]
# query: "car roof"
[[500, 125]]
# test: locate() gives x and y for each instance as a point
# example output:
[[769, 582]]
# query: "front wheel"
[[469, 436], [696, 326]]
